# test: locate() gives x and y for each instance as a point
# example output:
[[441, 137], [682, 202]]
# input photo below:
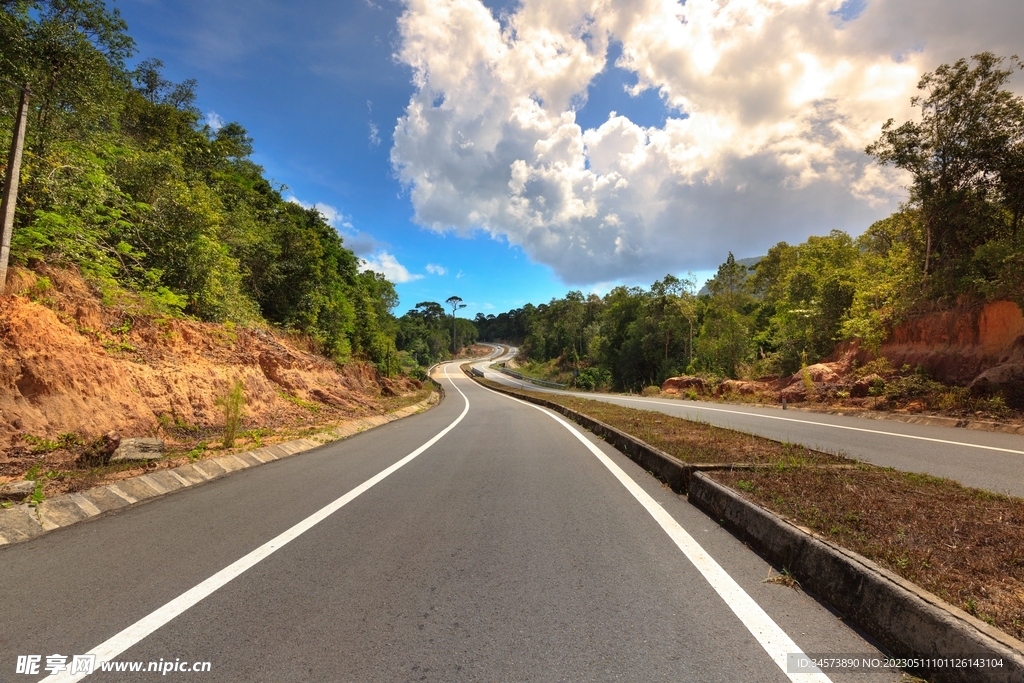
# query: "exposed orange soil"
[[71, 365]]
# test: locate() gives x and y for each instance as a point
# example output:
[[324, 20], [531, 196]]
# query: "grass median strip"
[[689, 441], [964, 545]]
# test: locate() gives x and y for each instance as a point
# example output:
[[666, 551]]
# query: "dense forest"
[[124, 180], [957, 239]]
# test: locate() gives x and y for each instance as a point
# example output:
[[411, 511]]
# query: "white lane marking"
[[114, 646], [833, 426], [791, 419], [770, 635]]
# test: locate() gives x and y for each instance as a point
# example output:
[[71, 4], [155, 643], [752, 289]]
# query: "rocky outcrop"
[[138, 449], [684, 383], [1006, 379], [738, 386], [862, 387]]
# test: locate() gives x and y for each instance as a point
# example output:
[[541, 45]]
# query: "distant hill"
[[748, 262]]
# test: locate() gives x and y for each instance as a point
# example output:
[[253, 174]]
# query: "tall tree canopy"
[[124, 180]]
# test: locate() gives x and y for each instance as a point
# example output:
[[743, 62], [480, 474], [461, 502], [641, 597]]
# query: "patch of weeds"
[[308, 405], [996, 405], [745, 485], [226, 334], [37, 291], [197, 452], [916, 385], [116, 345], [783, 578], [957, 398], [232, 403], [880, 366], [37, 495], [256, 435], [808, 383], [66, 440], [40, 444], [168, 334], [34, 474], [177, 426], [125, 327]]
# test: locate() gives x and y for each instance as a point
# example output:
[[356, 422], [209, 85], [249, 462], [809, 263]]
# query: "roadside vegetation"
[[958, 241], [964, 545], [126, 181], [72, 463]]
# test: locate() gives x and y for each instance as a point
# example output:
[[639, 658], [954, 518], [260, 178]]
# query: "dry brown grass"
[[963, 544], [691, 442], [69, 470]]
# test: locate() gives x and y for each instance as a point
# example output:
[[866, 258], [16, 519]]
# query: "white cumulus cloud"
[[358, 241], [214, 120], [770, 105], [331, 214], [435, 269], [386, 264]]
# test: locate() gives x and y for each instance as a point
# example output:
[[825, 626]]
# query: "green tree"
[[965, 157]]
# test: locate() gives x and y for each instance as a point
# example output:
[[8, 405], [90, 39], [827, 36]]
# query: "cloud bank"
[[770, 104], [386, 264]]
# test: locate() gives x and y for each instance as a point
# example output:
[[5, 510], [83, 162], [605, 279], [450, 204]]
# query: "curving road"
[[986, 460], [483, 540]]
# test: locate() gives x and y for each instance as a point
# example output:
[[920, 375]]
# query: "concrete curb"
[[908, 621], [674, 473], [23, 522]]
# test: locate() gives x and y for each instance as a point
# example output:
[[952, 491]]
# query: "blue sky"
[[438, 136], [308, 91]]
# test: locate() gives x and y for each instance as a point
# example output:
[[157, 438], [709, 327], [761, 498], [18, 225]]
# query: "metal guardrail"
[[434, 383], [544, 382]]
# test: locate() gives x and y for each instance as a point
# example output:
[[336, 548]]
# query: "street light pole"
[[10, 192]]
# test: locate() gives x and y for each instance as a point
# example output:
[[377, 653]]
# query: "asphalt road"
[[986, 460], [511, 548]]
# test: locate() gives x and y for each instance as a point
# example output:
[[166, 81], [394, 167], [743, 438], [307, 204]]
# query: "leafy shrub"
[[916, 385], [593, 379]]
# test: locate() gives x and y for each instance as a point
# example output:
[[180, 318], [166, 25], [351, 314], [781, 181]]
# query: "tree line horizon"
[[956, 240], [124, 180]]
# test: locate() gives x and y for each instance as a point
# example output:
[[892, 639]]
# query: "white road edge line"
[[789, 419], [770, 635], [826, 424], [117, 644]]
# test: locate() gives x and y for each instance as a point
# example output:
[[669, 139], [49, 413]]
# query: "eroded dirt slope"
[[70, 364]]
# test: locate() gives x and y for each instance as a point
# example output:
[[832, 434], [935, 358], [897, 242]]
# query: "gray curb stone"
[[22, 522], [907, 620]]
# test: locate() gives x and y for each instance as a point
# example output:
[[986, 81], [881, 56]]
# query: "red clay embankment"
[[70, 364]]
